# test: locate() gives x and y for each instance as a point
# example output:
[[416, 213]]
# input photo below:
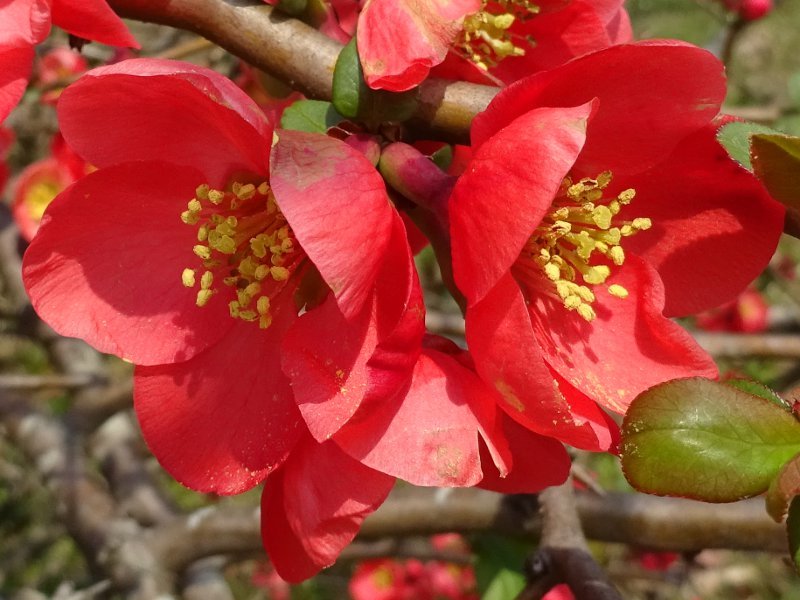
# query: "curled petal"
[[92, 20], [503, 194], [337, 206], [313, 508], [427, 28], [166, 117]]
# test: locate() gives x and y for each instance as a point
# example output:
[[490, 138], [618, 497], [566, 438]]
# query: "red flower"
[[190, 251], [40, 182], [482, 37], [25, 23], [598, 201], [746, 313], [57, 67]]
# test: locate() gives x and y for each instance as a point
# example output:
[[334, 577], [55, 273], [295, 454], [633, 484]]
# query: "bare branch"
[[300, 55]]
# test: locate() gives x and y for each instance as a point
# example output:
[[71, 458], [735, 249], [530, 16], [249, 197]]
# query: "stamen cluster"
[[580, 225], [242, 233], [486, 38]]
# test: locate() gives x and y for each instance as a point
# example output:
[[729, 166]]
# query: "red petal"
[[427, 435], [336, 203], [335, 362], [92, 20], [714, 227], [538, 462], [116, 115], [23, 23], [224, 420], [628, 348], [106, 265], [507, 357], [560, 35], [427, 29], [15, 69], [652, 95], [504, 193], [314, 507]]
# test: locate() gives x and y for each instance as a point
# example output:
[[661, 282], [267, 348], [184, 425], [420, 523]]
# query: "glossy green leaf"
[[354, 99], [783, 488], [759, 389], [793, 530], [735, 138], [701, 439], [776, 162], [313, 116]]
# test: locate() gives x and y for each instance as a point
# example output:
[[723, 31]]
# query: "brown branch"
[[298, 54], [563, 555], [669, 524]]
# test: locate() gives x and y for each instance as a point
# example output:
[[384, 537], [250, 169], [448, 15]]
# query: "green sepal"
[[354, 99], [313, 116]]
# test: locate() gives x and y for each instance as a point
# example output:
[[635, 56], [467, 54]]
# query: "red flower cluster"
[[261, 279]]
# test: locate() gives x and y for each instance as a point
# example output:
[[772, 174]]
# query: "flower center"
[[581, 228], [244, 239], [486, 38]]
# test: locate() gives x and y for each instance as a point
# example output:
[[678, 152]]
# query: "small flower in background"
[[750, 10], [748, 313], [266, 577], [413, 579], [55, 70], [656, 561], [41, 181]]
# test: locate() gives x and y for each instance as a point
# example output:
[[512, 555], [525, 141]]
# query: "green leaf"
[[793, 529], [498, 569], [702, 439], [735, 138], [776, 162], [313, 116], [294, 8], [354, 99], [759, 389], [783, 488]]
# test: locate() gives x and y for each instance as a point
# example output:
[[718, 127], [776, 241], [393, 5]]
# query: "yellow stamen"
[[246, 241], [583, 224], [486, 38]]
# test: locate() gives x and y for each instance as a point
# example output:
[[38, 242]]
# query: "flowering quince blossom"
[[507, 39], [597, 204], [190, 250], [25, 23]]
